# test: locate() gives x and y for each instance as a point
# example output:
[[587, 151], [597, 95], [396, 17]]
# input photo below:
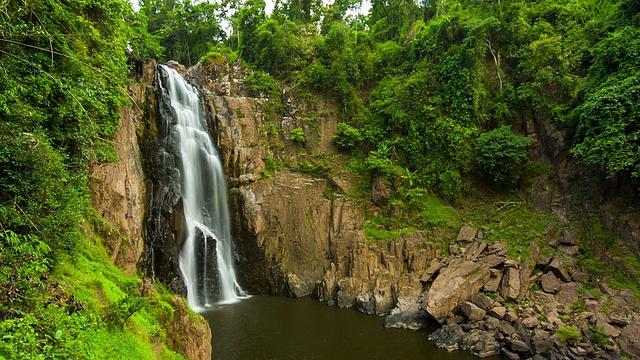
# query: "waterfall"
[[206, 259]]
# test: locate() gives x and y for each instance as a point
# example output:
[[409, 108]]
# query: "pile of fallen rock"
[[487, 305]]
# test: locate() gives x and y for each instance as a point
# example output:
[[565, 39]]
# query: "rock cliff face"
[[118, 190]]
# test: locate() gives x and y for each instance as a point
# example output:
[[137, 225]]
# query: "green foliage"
[[599, 337], [186, 29], [271, 166], [347, 137], [568, 333], [501, 154], [607, 257], [427, 210], [23, 269], [318, 169], [608, 133], [515, 223], [381, 229], [38, 195], [297, 135], [63, 72]]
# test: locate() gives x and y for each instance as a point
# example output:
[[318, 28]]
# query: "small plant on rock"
[[297, 135], [599, 337], [568, 333]]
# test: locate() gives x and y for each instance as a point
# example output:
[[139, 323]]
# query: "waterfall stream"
[[206, 258]]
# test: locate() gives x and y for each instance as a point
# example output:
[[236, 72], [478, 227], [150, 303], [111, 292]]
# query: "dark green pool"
[[278, 328]]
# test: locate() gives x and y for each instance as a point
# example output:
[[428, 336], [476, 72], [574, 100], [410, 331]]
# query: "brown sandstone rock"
[[498, 248], [493, 284], [118, 190], [475, 250], [471, 311], [497, 312], [557, 266], [550, 283], [454, 285], [191, 339], [434, 267], [510, 288], [467, 234], [492, 261], [607, 329], [629, 340], [482, 301], [570, 237]]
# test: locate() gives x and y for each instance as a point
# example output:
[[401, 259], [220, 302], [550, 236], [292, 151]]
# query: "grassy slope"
[[91, 310]]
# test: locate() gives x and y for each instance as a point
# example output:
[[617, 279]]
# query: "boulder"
[[507, 328], [497, 312], [480, 343], [475, 250], [607, 329], [541, 342], [491, 323], [447, 337], [509, 355], [498, 248], [518, 346], [482, 301], [550, 283], [568, 294], [527, 268], [579, 276], [530, 322], [380, 191], [510, 315], [434, 267], [472, 311], [510, 288], [492, 260], [570, 238], [569, 249], [557, 266], [493, 284], [629, 340], [467, 234], [454, 285]]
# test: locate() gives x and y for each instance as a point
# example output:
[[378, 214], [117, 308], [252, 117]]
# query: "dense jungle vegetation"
[[436, 93]]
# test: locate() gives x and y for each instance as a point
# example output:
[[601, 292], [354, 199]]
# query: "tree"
[[502, 154]]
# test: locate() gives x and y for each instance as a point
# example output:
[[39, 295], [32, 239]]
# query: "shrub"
[[297, 135], [501, 154], [347, 137], [568, 333]]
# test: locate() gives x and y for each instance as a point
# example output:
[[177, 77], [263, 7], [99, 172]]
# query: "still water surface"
[[278, 328]]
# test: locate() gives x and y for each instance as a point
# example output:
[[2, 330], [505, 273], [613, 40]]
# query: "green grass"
[[381, 229], [517, 224], [607, 257]]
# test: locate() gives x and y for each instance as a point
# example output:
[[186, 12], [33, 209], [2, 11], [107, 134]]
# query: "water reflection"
[[264, 327]]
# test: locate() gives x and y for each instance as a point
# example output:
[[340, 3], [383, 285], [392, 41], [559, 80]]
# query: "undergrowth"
[[86, 308]]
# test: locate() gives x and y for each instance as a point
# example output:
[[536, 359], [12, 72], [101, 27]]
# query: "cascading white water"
[[204, 194]]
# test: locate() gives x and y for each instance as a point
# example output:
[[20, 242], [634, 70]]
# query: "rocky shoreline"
[[541, 308]]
